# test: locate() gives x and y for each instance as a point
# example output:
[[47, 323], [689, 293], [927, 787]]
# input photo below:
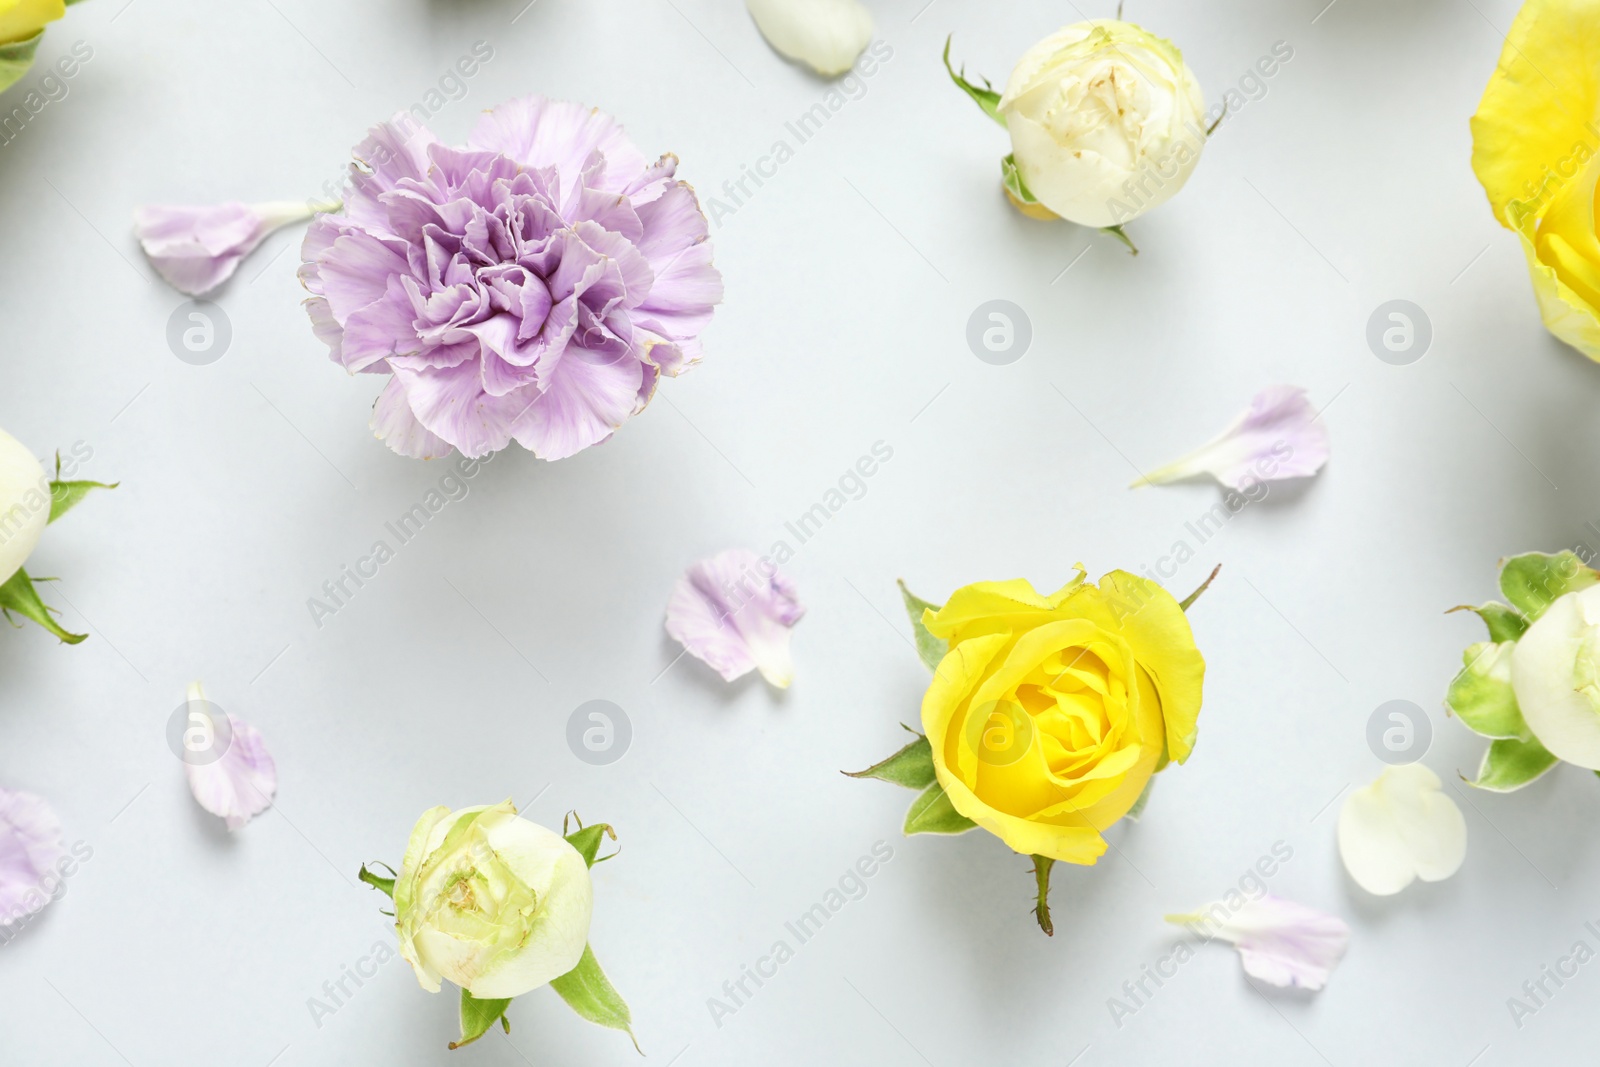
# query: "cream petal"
[[1543, 675], [1400, 828], [826, 35], [24, 504]]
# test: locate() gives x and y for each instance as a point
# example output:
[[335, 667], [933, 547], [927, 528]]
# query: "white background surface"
[[248, 483]]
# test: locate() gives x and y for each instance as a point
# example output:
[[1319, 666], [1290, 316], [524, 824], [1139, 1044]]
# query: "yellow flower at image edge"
[[1536, 149], [1049, 714], [22, 19]]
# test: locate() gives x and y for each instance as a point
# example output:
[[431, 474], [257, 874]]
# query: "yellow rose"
[[1049, 714], [22, 19], [1536, 149]]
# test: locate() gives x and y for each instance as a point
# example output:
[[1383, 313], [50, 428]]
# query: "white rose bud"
[[1106, 121], [24, 504], [1555, 672]]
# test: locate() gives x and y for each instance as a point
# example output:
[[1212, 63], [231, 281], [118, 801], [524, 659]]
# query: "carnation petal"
[[735, 613], [539, 132], [197, 248], [1279, 436], [826, 35], [1279, 941], [585, 400], [30, 848], [1400, 828], [241, 783], [396, 426]]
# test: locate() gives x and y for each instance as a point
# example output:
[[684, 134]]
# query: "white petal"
[[1279, 941], [827, 35], [241, 783], [24, 504], [1544, 665], [1278, 436], [1399, 828], [734, 611]]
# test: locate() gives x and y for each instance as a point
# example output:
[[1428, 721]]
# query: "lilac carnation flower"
[[533, 285]]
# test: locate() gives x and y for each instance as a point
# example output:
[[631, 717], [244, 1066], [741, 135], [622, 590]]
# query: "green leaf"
[[1505, 624], [587, 991], [377, 881], [911, 767], [1534, 581], [477, 1016], [1144, 798], [16, 58], [64, 496], [1481, 694], [986, 98], [1510, 764], [19, 595], [932, 649], [932, 813], [586, 839], [1041, 880]]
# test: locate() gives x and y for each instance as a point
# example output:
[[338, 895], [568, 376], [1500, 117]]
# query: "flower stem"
[[1041, 877]]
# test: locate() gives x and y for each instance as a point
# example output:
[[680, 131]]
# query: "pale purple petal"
[[1279, 436], [1279, 941], [30, 848], [242, 782], [735, 612], [533, 286], [196, 248]]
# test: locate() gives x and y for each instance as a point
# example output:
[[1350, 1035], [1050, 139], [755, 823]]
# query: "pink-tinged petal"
[[586, 399], [1279, 436], [393, 152], [198, 247], [355, 272], [1279, 941], [735, 612], [451, 403], [540, 132], [397, 427], [382, 329], [240, 784], [326, 327], [30, 848]]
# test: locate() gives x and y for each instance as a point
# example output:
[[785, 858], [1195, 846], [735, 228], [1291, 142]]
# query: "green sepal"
[[377, 881], [477, 1016], [932, 649], [1481, 694], [19, 595], [1120, 234], [932, 813], [1504, 623], [1511, 764], [1042, 866], [1187, 602], [588, 992], [16, 59], [986, 98], [64, 496], [911, 767], [1011, 178], [1144, 797], [1535, 580], [586, 839]]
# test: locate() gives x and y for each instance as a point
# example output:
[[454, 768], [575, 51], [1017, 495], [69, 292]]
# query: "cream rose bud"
[[492, 902], [1555, 673], [1105, 121], [24, 504]]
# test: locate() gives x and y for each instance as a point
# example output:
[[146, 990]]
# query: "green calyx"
[[18, 594], [985, 97], [1481, 694]]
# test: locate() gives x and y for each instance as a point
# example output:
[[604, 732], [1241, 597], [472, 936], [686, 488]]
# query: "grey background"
[[850, 278]]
